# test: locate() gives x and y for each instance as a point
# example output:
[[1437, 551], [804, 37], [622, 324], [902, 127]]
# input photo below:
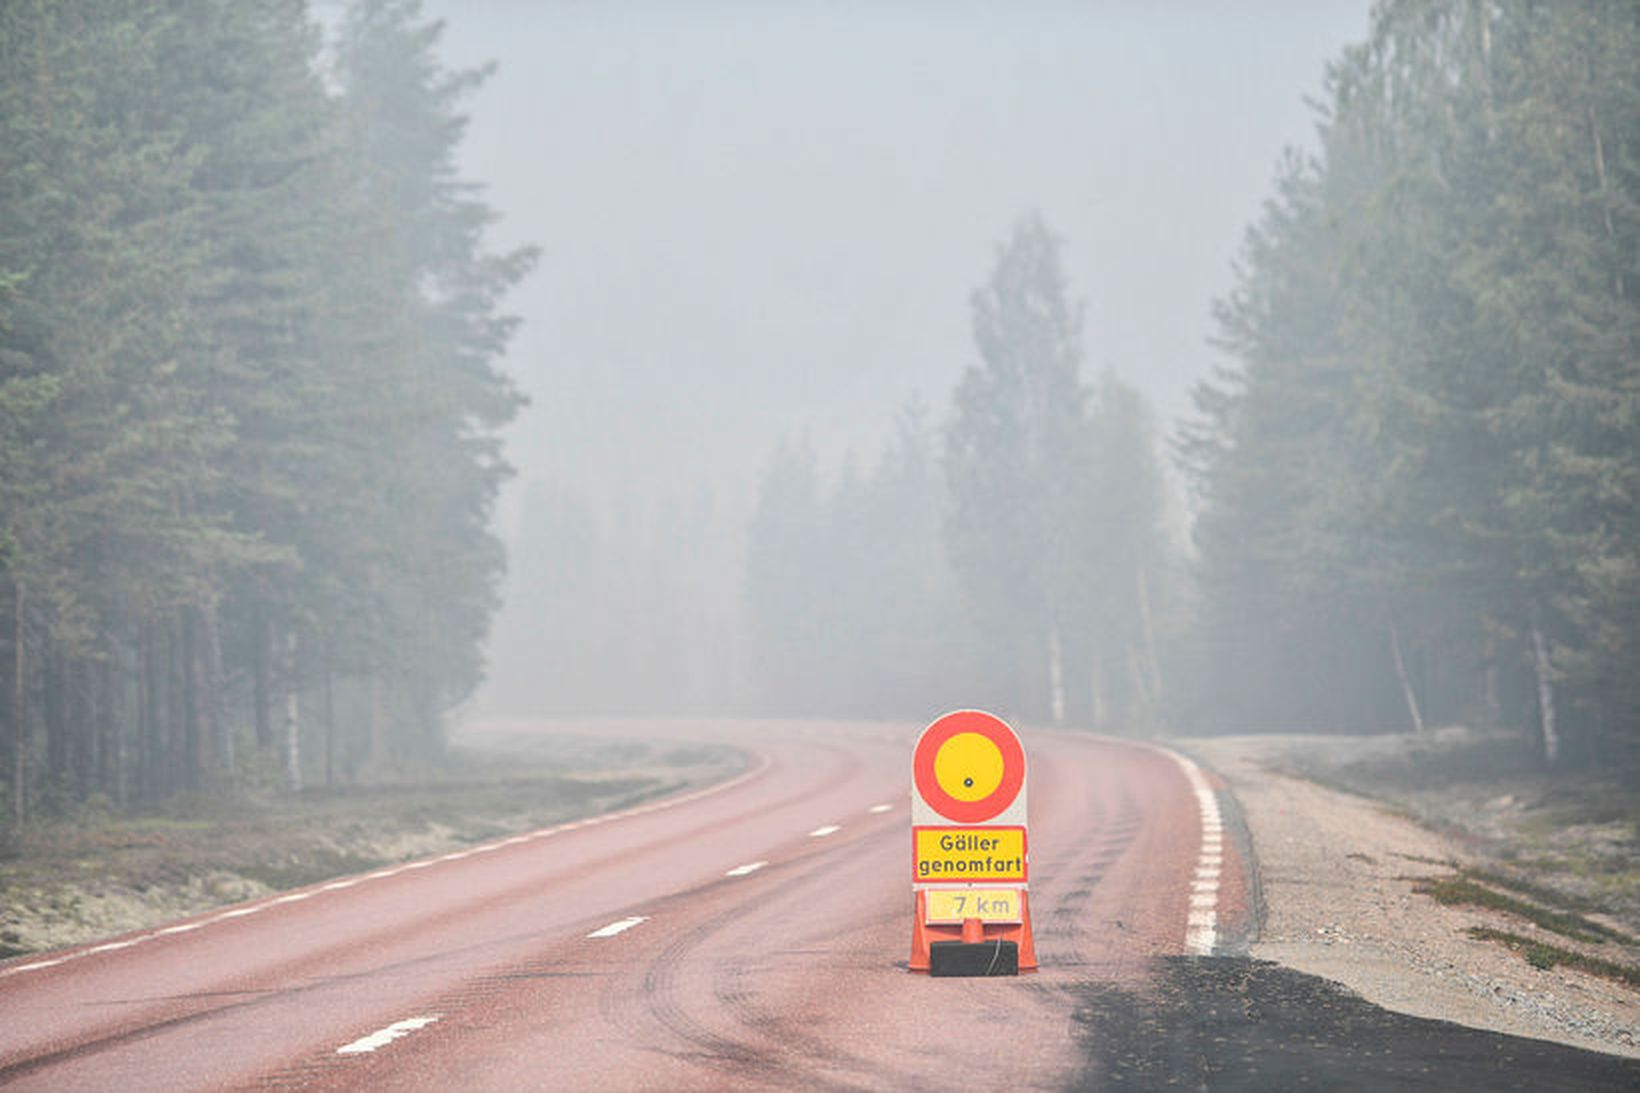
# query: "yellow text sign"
[[967, 854], [952, 905]]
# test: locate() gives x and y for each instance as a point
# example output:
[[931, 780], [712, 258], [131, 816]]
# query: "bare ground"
[[1354, 837]]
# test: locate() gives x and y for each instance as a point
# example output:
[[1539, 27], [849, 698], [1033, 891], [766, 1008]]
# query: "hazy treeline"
[[1004, 549], [248, 402], [1005, 557], [1420, 482], [624, 600]]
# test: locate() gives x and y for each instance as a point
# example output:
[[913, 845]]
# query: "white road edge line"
[[742, 870], [620, 927], [1202, 925], [822, 832], [37, 964], [111, 946], [383, 874], [383, 1037]]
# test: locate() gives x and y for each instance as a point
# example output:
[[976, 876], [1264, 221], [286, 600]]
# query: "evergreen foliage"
[[248, 397], [852, 604], [1008, 560], [1055, 499], [1418, 484]]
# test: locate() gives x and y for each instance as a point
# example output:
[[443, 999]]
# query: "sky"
[[766, 220]]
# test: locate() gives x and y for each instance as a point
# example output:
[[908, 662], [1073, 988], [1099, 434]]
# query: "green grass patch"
[[1542, 955], [1465, 889], [1541, 893]]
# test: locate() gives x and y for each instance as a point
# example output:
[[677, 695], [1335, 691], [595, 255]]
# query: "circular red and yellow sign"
[[968, 766]]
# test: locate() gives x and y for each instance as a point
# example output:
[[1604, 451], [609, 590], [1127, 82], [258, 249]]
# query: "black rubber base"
[[973, 958]]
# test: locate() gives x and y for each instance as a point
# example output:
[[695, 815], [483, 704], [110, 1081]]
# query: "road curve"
[[754, 934]]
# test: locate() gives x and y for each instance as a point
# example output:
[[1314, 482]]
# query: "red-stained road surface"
[[752, 934]]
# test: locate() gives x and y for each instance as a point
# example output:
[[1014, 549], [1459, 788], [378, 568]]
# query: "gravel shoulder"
[[1341, 875]]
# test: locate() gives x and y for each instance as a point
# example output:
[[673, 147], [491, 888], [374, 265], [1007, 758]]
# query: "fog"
[[765, 218], [1146, 368], [766, 221]]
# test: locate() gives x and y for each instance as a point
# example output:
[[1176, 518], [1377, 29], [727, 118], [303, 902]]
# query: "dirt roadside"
[[1346, 882]]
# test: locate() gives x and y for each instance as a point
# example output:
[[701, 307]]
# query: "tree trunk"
[[1407, 692], [225, 763], [378, 723], [1153, 667], [19, 709], [151, 762], [174, 695], [52, 716], [1546, 697], [1056, 678], [1098, 700], [195, 730], [1605, 202], [260, 653], [1491, 704], [145, 710], [293, 718], [121, 671], [96, 709], [1141, 712], [330, 720]]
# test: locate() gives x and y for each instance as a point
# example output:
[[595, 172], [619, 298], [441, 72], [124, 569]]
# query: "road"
[[754, 933]]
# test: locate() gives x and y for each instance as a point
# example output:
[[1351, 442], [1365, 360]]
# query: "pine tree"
[[1015, 457], [433, 588], [1439, 443]]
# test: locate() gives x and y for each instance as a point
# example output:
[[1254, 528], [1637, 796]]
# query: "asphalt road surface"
[[751, 934]]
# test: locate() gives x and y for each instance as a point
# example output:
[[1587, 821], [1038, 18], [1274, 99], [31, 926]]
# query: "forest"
[[1010, 556], [1419, 481], [252, 403], [249, 397], [1414, 482]]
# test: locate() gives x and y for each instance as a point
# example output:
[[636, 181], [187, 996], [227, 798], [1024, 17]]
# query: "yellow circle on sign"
[[968, 766]]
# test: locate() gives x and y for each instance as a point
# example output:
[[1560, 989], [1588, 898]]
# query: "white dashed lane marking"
[[822, 832], [620, 927], [383, 1037], [383, 874], [742, 870], [882, 808]]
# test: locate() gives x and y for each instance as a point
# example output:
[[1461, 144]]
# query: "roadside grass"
[[1566, 840], [100, 872], [1466, 888], [1544, 907], [1542, 893], [1544, 956]]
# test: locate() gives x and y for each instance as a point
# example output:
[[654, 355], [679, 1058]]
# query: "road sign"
[[968, 854], [968, 768], [951, 906], [969, 860]]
